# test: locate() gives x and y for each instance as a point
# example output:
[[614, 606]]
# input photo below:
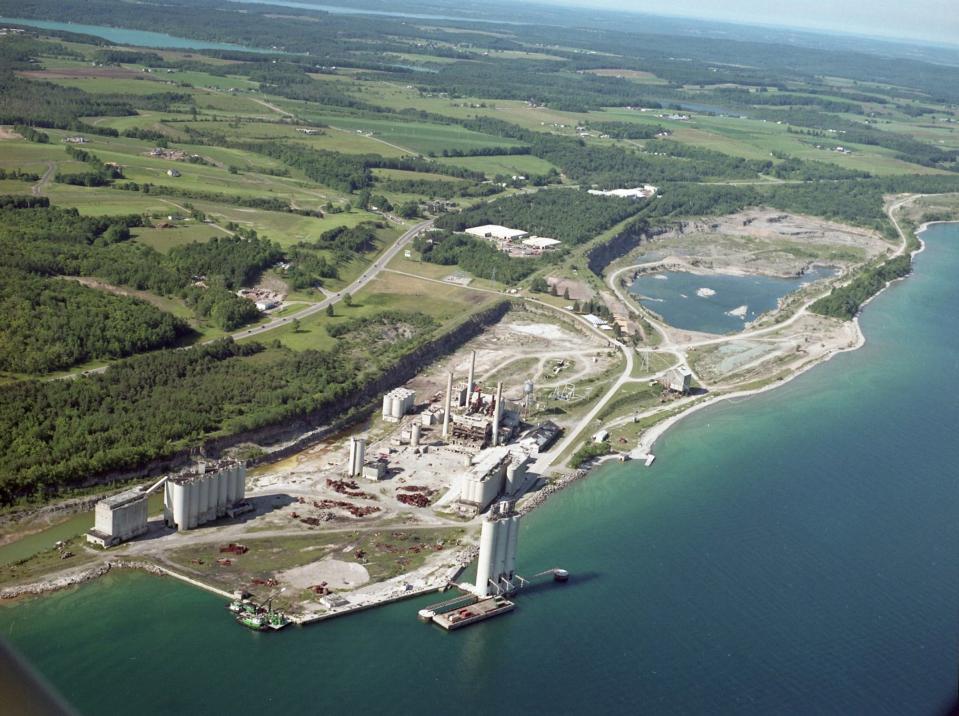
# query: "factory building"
[[497, 232], [119, 518], [542, 436], [397, 403], [496, 568], [497, 471], [375, 470], [197, 497], [678, 380]]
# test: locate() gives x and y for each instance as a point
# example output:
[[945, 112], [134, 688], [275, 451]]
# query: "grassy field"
[[165, 239], [523, 164], [417, 137], [447, 304]]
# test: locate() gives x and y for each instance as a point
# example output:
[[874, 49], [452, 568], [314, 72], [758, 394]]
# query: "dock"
[[478, 611]]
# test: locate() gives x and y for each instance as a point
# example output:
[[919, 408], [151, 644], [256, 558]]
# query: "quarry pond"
[[717, 303]]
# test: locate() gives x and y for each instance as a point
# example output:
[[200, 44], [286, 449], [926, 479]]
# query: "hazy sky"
[[934, 20]]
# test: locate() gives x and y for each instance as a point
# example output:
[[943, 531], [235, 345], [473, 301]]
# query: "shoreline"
[[530, 503], [650, 437]]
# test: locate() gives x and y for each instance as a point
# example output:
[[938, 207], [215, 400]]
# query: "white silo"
[[222, 487], [193, 503], [499, 563], [241, 482], [487, 555], [232, 489], [512, 536], [205, 485], [415, 435], [357, 455], [181, 506]]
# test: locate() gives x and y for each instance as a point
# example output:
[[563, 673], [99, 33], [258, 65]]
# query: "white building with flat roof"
[[497, 232], [541, 243], [639, 192]]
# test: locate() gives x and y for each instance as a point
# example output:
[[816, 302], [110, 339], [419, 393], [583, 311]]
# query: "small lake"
[[136, 38], [716, 303]]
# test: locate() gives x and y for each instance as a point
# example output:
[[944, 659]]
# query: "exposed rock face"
[[602, 255]]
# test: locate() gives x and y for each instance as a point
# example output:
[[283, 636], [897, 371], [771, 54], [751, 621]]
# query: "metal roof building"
[[495, 231]]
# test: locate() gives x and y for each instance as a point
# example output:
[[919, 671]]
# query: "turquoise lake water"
[[709, 303], [796, 552], [122, 36]]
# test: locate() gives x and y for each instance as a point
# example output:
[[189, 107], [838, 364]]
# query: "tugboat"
[[257, 618]]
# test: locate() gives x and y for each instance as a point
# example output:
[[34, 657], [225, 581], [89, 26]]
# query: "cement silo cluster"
[[197, 497], [496, 568], [397, 403]]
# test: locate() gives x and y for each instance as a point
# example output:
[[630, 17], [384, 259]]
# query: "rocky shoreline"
[[79, 576]]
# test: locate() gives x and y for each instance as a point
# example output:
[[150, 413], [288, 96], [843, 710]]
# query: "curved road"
[[368, 275]]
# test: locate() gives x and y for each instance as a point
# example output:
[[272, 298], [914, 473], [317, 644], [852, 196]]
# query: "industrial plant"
[[496, 577], [198, 495]]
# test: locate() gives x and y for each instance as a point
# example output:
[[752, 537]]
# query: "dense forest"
[[39, 239], [479, 257], [146, 407], [565, 214], [52, 324]]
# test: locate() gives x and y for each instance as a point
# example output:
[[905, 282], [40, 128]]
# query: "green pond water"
[[796, 552], [716, 303]]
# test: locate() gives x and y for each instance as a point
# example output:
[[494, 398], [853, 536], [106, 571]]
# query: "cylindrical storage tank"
[[511, 539], [203, 499], [180, 507], [499, 566], [487, 555], [193, 503], [222, 485], [168, 504], [211, 496], [396, 409], [231, 491], [214, 494], [415, 435], [387, 406], [241, 482]]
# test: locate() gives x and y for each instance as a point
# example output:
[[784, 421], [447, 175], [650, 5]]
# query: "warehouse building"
[[497, 232], [119, 518]]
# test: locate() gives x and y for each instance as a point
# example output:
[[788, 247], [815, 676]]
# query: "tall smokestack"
[[448, 407], [472, 376], [497, 412]]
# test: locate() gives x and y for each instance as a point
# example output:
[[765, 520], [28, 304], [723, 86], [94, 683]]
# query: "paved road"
[[359, 283], [352, 289]]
